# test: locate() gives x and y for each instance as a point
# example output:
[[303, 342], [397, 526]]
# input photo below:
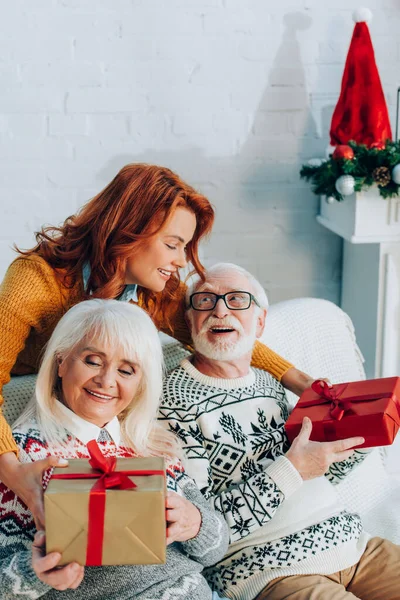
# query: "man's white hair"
[[222, 269], [120, 325]]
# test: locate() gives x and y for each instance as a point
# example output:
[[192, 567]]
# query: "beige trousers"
[[374, 577]]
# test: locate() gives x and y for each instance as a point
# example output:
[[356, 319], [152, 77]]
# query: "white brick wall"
[[232, 95]]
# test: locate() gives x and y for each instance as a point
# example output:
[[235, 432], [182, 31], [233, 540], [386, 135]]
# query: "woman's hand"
[[183, 518], [313, 459], [25, 480], [297, 382], [45, 567]]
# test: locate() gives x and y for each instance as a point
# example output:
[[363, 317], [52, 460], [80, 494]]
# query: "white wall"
[[234, 95]]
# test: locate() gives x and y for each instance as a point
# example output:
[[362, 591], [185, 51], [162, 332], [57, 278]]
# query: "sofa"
[[318, 337]]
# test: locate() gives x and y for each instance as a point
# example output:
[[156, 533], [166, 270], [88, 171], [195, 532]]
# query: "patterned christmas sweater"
[[180, 578], [233, 435]]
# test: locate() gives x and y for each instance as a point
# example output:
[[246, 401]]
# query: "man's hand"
[[297, 382], [45, 567], [25, 480], [183, 518], [313, 459]]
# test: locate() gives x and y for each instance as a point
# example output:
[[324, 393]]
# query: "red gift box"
[[370, 409]]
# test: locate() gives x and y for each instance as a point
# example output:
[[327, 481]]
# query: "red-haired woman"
[[127, 243]]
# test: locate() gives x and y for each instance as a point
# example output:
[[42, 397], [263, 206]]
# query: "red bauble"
[[378, 145], [343, 151]]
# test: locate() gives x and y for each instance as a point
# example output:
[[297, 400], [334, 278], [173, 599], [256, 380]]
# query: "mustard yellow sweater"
[[33, 300]]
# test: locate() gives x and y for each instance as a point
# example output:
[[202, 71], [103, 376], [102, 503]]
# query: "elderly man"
[[290, 537]]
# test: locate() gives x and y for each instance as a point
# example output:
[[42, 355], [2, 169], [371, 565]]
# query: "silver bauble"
[[345, 185], [396, 174]]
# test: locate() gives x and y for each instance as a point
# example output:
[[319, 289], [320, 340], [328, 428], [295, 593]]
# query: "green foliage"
[[323, 178]]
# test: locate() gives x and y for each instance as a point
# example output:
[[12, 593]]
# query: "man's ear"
[[261, 322]]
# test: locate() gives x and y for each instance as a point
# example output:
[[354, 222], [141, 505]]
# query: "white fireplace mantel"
[[363, 217], [370, 227]]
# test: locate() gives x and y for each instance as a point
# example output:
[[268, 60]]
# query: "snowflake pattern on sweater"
[[287, 551], [234, 440]]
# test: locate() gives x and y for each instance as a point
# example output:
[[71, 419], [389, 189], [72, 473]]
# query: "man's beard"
[[221, 349]]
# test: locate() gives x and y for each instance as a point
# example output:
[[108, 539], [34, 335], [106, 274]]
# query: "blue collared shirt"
[[129, 292]]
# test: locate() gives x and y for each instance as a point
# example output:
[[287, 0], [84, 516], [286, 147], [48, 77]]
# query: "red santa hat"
[[361, 113]]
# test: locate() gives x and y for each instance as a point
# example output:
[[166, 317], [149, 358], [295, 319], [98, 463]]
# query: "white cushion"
[[16, 396], [317, 337]]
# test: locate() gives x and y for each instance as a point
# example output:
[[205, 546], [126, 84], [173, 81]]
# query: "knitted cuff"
[[285, 475], [266, 359], [211, 543], [23, 577], [39, 586]]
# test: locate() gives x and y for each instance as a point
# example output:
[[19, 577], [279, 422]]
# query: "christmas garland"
[[355, 167]]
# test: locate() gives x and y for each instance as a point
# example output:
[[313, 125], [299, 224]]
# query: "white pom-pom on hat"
[[362, 15]]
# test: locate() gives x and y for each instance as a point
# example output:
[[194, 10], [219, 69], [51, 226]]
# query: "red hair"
[[116, 222]]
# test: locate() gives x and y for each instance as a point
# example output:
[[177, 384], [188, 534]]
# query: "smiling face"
[[163, 254], [98, 382], [221, 333]]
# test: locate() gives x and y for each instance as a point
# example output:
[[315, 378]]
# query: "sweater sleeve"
[[28, 294], [245, 506], [340, 470], [211, 543], [263, 357], [266, 359], [248, 505], [17, 577]]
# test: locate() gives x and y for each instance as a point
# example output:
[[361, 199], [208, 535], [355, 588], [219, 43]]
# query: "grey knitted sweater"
[[180, 578]]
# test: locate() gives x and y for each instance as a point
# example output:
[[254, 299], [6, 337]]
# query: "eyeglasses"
[[233, 300]]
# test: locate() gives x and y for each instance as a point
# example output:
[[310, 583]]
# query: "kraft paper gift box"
[[91, 519], [369, 408]]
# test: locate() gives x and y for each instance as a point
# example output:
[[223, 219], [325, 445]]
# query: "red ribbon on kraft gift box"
[[107, 478]]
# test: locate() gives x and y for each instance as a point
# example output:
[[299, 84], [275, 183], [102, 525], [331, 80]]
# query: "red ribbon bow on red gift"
[[107, 478], [338, 406]]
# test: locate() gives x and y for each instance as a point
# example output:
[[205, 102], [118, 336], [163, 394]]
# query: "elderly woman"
[[101, 378]]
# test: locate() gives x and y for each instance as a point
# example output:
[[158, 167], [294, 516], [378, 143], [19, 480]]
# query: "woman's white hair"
[[119, 325], [221, 269]]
